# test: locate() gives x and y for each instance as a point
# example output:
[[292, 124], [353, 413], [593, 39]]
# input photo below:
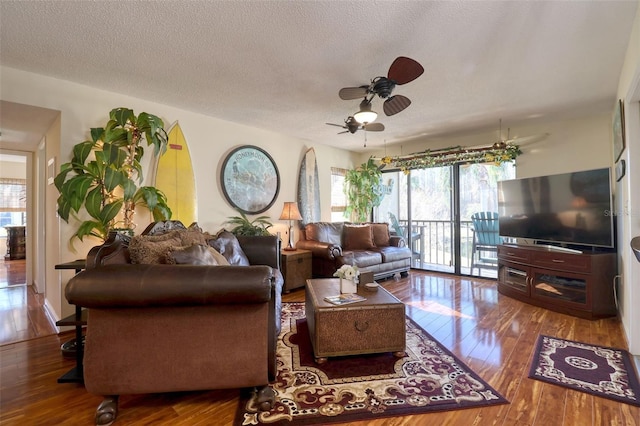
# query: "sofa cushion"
[[227, 245], [392, 254], [196, 254], [380, 233], [358, 237], [326, 232], [152, 249], [361, 258]]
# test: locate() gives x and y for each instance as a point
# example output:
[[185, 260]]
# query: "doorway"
[[432, 209]]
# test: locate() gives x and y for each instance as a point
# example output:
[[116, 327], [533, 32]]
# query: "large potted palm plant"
[[363, 186], [104, 175]]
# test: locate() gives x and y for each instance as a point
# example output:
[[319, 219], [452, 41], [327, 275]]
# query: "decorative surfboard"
[[174, 177], [309, 188]]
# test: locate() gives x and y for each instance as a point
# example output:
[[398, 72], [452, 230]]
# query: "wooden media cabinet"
[[579, 284]]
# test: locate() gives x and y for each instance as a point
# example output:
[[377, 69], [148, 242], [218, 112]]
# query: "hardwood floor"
[[491, 333], [22, 313]]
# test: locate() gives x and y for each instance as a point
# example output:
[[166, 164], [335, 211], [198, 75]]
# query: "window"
[[13, 203], [338, 196]]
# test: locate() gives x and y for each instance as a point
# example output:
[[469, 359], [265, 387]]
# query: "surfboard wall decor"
[[175, 177], [309, 188]]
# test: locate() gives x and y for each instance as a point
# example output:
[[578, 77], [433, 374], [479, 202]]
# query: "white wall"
[[629, 197], [556, 146], [209, 140]]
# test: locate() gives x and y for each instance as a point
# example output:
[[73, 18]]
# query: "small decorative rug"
[[363, 387], [598, 370]]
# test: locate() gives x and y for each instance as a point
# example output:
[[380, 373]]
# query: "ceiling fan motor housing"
[[383, 87]]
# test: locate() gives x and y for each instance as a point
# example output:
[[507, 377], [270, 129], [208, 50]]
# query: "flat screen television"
[[568, 209]]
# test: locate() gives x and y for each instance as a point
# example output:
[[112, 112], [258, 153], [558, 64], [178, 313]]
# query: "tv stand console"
[[579, 284]]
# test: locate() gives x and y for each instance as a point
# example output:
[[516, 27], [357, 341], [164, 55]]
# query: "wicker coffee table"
[[371, 326]]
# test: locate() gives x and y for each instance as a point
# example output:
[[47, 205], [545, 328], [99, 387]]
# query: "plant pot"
[[348, 286]]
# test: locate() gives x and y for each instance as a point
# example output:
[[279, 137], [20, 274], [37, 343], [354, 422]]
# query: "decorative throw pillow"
[[196, 254], [227, 244], [380, 234], [194, 236], [152, 249], [358, 237]]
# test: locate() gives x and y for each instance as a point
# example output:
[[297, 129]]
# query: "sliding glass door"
[[433, 208]]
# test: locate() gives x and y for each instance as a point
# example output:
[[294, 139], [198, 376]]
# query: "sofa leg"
[[404, 274], [107, 411], [266, 398]]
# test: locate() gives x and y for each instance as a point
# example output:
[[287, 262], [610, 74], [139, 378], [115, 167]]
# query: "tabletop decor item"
[[250, 179], [348, 275]]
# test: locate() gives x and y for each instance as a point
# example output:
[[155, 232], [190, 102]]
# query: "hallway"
[[22, 312]]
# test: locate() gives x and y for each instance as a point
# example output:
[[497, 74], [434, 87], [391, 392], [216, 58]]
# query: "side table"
[[296, 268], [78, 320]]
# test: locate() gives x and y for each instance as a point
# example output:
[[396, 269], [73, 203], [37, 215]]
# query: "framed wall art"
[[618, 131], [250, 179]]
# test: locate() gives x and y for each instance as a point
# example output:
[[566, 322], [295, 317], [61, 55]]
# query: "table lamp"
[[290, 212]]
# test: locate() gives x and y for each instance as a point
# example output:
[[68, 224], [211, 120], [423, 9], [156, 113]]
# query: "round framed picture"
[[250, 179]]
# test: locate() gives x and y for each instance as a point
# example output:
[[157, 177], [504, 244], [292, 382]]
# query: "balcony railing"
[[432, 245]]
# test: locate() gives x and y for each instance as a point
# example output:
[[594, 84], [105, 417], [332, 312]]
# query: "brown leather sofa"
[[368, 246], [164, 328]]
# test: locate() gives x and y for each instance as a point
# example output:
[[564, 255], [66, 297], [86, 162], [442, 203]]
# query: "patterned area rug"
[[598, 370], [364, 387]]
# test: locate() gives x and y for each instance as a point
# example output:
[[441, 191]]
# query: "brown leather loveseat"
[[368, 246], [164, 328]]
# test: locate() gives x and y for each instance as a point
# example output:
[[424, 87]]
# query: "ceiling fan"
[[352, 126], [402, 71], [518, 140]]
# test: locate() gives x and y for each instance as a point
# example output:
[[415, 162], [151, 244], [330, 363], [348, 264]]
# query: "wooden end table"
[[296, 268], [374, 325]]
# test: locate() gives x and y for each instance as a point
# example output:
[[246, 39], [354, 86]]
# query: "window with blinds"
[[338, 196], [13, 203]]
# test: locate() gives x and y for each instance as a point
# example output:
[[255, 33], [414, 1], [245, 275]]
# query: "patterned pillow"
[[227, 244], [358, 237], [153, 249]]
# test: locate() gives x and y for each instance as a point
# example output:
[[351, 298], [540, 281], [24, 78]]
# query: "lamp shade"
[[290, 211]]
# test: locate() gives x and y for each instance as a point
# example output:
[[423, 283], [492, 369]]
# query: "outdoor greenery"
[[103, 176], [243, 226], [364, 189]]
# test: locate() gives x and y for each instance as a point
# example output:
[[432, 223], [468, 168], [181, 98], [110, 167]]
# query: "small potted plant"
[[348, 275], [104, 173], [243, 226]]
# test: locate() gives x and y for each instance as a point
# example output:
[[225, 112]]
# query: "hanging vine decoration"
[[450, 156]]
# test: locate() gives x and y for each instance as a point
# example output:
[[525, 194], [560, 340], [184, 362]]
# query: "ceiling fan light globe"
[[365, 116]]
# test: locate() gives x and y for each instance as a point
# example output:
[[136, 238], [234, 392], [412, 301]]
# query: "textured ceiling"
[[278, 65]]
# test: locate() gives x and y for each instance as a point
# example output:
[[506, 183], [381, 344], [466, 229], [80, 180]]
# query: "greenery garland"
[[450, 156]]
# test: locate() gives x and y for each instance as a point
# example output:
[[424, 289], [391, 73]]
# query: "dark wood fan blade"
[[348, 93], [346, 131], [395, 104], [403, 70], [374, 127], [337, 125]]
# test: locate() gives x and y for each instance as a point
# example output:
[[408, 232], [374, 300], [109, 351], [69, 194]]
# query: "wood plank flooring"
[[493, 334], [22, 313]]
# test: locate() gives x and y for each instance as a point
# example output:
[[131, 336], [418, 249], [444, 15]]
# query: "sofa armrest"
[[320, 249], [113, 251], [120, 286], [261, 250], [397, 241]]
